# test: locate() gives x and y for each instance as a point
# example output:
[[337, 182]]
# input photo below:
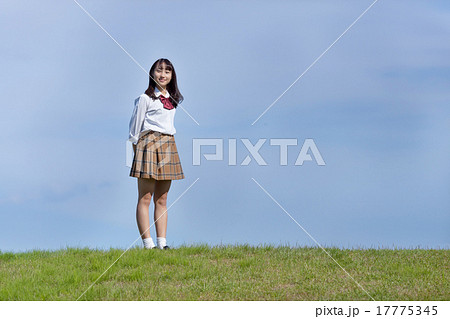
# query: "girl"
[[156, 162]]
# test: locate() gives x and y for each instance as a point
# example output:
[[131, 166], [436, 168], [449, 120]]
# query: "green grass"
[[226, 273]]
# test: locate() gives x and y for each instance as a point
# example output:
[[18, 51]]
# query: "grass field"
[[226, 273]]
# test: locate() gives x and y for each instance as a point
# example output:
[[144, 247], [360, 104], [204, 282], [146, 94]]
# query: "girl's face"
[[162, 76]]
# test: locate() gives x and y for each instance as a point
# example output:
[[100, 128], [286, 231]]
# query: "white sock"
[[148, 243], [161, 242]]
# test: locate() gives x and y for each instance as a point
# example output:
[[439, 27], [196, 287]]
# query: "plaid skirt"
[[156, 156]]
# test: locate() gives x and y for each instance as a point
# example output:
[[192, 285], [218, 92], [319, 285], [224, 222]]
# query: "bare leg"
[[161, 190], [146, 188]]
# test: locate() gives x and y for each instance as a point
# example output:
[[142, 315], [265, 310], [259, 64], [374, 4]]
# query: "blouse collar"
[[158, 92]]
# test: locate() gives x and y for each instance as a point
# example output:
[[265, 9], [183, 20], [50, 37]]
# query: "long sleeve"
[[137, 119]]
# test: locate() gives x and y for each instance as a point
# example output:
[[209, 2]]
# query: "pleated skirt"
[[156, 156]]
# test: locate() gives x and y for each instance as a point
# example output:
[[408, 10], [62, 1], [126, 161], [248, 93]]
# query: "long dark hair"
[[172, 87]]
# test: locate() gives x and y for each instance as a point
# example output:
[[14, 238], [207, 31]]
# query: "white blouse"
[[149, 114]]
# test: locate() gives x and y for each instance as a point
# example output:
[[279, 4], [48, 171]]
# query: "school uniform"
[[152, 131]]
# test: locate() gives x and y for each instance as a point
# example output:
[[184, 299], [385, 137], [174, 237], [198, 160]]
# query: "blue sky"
[[376, 105]]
